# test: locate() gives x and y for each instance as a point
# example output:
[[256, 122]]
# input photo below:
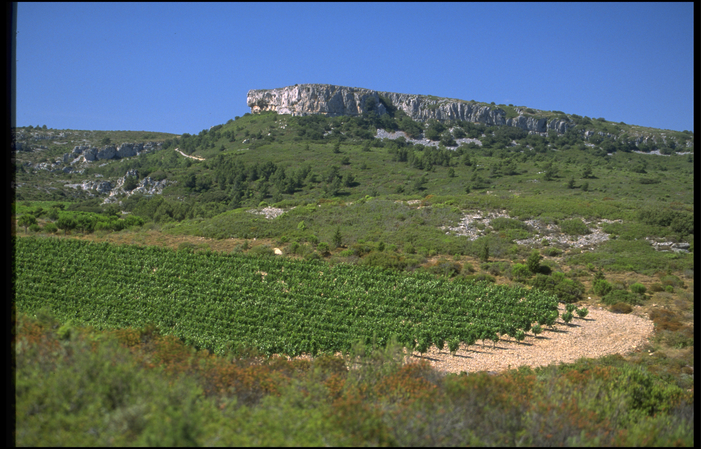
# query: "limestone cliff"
[[326, 99]]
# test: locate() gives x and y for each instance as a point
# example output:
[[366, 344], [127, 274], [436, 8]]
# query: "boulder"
[[126, 150], [90, 154], [109, 152]]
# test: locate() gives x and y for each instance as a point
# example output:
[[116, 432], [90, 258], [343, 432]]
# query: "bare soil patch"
[[600, 333]]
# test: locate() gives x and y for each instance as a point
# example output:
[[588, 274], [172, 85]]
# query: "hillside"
[[375, 245]]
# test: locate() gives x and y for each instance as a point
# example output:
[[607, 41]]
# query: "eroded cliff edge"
[[331, 100]]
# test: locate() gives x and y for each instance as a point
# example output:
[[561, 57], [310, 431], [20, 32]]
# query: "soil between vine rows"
[[600, 333]]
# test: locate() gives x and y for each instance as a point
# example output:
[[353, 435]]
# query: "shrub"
[[50, 228], [409, 248], [583, 312], [665, 319], [480, 277], [672, 280], [621, 307], [34, 227], [323, 247], [638, 288], [656, 287], [601, 287], [533, 262], [551, 252], [262, 250], [574, 227], [384, 260], [446, 268], [314, 240], [312, 256], [503, 223], [520, 271], [616, 296]]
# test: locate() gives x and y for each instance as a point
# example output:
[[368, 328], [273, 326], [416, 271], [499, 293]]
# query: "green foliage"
[[520, 272], [566, 290], [27, 220], [574, 227], [243, 296], [617, 296], [601, 287], [533, 262], [638, 288], [51, 228]]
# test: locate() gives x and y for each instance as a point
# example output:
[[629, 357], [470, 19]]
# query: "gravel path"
[[600, 333]]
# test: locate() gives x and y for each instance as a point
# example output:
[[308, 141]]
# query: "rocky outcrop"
[[326, 99], [109, 152]]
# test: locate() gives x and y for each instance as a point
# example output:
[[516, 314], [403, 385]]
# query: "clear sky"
[[184, 67]]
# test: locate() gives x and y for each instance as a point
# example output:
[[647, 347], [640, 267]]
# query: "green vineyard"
[[276, 305]]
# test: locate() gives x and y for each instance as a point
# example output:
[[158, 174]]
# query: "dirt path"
[[187, 155]]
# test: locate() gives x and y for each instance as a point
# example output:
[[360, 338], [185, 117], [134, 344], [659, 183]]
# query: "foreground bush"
[[137, 387]]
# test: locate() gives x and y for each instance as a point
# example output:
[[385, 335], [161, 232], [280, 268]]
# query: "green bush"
[[566, 290], [323, 247], [262, 250], [445, 268], [551, 252], [601, 287], [384, 260], [503, 223], [574, 227], [615, 296], [638, 288], [50, 228], [520, 271], [672, 280]]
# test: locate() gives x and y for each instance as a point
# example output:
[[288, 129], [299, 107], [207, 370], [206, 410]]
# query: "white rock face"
[[331, 100], [108, 152], [126, 150]]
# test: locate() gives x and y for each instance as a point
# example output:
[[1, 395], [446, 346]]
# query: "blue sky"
[[183, 67]]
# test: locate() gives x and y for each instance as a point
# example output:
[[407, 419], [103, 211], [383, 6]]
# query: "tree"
[[587, 172], [105, 141], [533, 262], [419, 183], [337, 147], [337, 238], [66, 224], [484, 252], [570, 183], [130, 183], [27, 220]]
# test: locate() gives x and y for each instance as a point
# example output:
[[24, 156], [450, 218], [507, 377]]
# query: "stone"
[[331, 100], [109, 152], [126, 150], [90, 154]]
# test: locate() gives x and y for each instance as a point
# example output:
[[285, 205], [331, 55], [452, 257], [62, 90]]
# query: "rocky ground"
[[382, 134]]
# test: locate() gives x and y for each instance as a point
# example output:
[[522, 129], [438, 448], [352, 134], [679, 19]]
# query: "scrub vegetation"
[[591, 221]]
